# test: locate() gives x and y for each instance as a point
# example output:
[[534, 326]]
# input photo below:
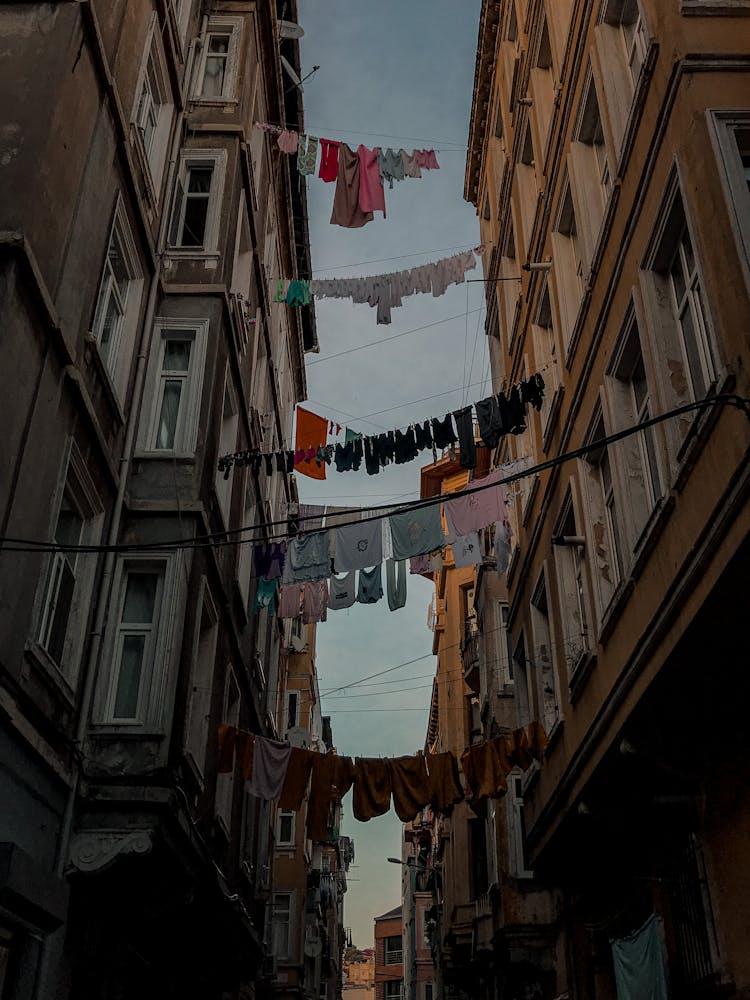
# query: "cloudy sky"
[[392, 73]]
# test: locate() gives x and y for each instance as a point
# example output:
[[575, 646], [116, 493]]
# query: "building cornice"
[[489, 22]]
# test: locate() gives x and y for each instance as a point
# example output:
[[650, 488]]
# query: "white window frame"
[[198, 158], [231, 26], [546, 355], [723, 126], [153, 100], [126, 304], [543, 653], [292, 697], [387, 954], [151, 709], [181, 11], [203, 667], [572, 587], [516, 849], [567, 262], [168, 328], [290, 815], [230, 715], [76, 488], [288, 952], [590, 159]]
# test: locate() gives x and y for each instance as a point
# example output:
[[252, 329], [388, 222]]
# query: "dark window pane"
[[194, 227], [140, 598], [63, 603], [176, 355], [128, 683]]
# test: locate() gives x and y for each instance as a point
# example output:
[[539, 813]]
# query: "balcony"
[[470, 656]]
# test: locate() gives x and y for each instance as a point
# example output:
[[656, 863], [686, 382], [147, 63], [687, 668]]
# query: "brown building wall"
[[391, 972]]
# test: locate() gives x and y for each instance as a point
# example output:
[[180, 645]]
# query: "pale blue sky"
[[403, 71]]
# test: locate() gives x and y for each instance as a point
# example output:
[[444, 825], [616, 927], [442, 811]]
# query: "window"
[[569, 551], [604, 516], [245, 558], [623, 46], [543, 89], [182, 10], [217, 74], [281, 925], [731, 132], [393, 989], [225, 782], [504, 647], [519, 668], [69, 577], [118, 300], [195, 210], [393, 950], [543, 661], [285, 828], [630, 403], [198, 718], [509, 289], [589, 155], [546, 355], [516, 828], [172, 417], [567, 256], [227, 444], [152, 113], [292, 710], [428, 989], [674, 291], [528, 188], [139, 599]]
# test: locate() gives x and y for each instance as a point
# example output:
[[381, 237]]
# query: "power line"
[[385, 340], [383, 260], [223, 538]]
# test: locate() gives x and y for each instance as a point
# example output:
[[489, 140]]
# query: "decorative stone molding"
[[97, 849]]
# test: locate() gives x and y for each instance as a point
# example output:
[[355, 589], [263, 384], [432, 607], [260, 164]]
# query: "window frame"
[[231, 26], [153, 76], [387, 959], [568, 266], [200, 671], [289, 952], [189, 159], [722, 126], [153, 706], [541, 620], [223, 485], [230, 715], [388, 989], [571, 575], [281, 816], [188, 418], [516, 827], [115, 361]]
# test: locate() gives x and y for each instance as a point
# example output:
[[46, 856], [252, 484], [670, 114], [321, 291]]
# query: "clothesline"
[[384, 291], [497, 416], [359, 176], [456, 146], [277, 771]]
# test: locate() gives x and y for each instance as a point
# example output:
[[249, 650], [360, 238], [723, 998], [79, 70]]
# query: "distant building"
[[389, 955]]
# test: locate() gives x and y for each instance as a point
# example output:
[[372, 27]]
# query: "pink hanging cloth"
[[329, 160], [288, 141], [371, 193], [426, 158]]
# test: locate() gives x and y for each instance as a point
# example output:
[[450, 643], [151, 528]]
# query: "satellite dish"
[[292, 73], [288, 29]]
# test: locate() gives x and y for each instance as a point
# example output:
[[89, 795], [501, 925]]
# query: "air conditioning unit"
[[298, 644]]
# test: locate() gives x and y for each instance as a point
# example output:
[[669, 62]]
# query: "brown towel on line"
[[485, 771], [445, 783], [522, 755], [297, 778], [410, 785], [372, 788], [332, 777], [537, 739], [346, 210]]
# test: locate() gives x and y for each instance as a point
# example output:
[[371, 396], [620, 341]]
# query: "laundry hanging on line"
[[496, 416], [382, 292], [276, 771]]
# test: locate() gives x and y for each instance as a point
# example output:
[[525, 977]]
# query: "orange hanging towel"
[[410, 784], [485, 771], [332, 778], [372, 788], [445, 783], [311, 433], [297, 778]]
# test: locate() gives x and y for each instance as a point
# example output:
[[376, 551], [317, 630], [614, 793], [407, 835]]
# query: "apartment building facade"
[[608, 161], [309, 876], [142, 220], [389, 955]]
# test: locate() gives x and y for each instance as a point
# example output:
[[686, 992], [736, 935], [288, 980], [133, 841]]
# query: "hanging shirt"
[[443, 434], [290, 603], [391, 166], [270, 761], [466, 446], [503, 545], [307, 558], [370, 585], [358, 545], [419, 565], [490, 424], [264, 595], [445, 783], [288, 141], [416, 531], [410, 786], [314, 601], [269, 560], [467, 550], [346, 204], [341, 592], [411, 167], [468, 512], [297, 778], [395, 583], [426, 158], [307, 153], [329, 160], [371, 193], [639, 963], [372, 788]]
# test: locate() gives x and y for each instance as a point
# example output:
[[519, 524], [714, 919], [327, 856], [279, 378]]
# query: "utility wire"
[[384, 260], [223, 538]]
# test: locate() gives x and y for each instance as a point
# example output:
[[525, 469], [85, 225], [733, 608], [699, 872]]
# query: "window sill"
[[93, 356], [580, 673], [650, 534], [614, 609], [50, 671], [183, 457], [177, 254], [111, 731], [712, 8], [214, 102]]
